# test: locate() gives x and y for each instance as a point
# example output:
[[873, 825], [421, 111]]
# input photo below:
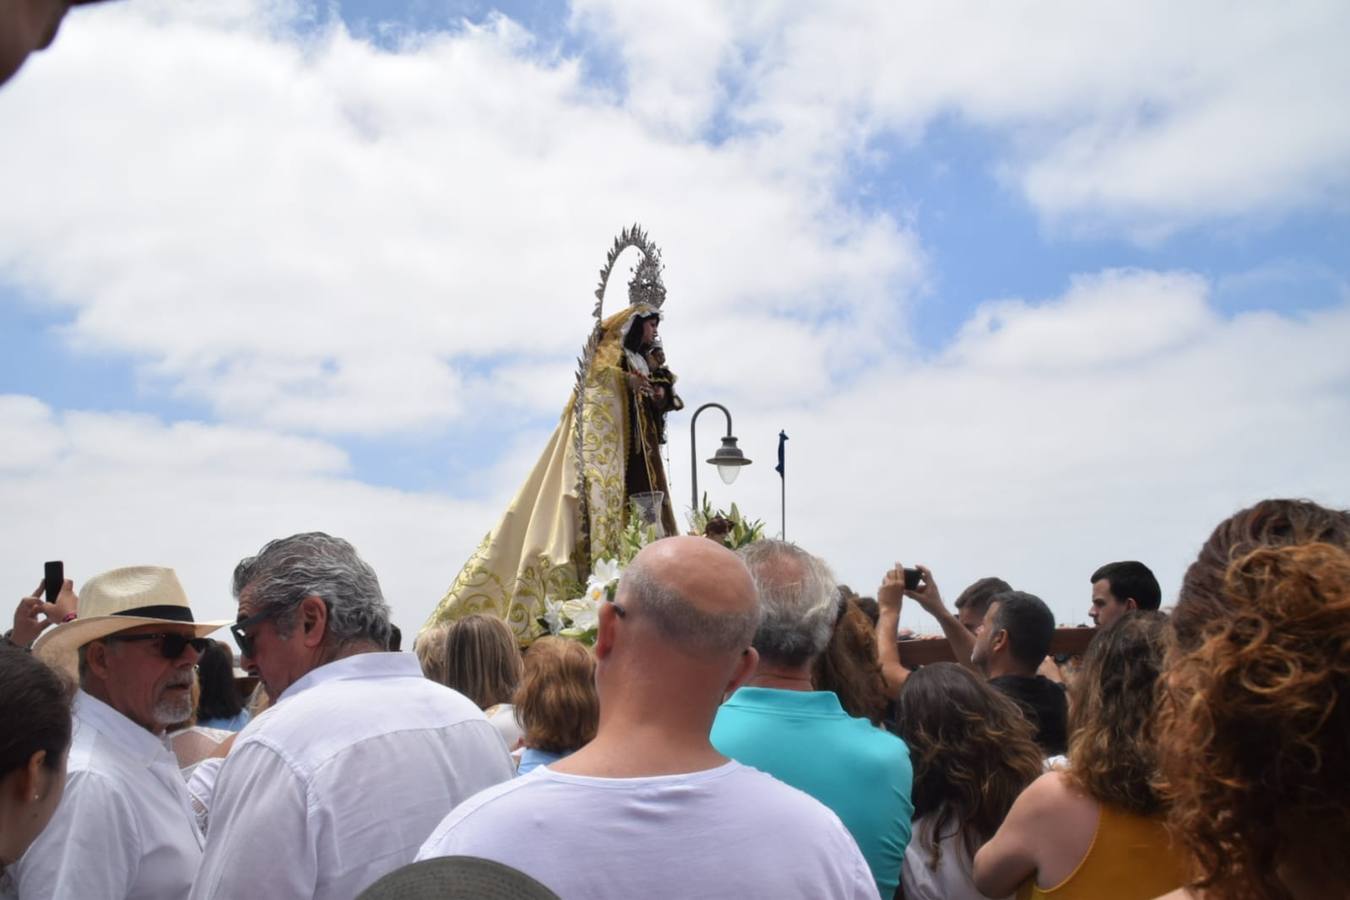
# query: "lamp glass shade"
[[729, 459]]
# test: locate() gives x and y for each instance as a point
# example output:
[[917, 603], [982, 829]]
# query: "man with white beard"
[[125, 827]]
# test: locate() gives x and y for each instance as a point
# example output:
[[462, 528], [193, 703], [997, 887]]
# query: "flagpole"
[[782, 475]]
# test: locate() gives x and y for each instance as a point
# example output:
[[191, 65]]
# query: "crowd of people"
[[742, 726]]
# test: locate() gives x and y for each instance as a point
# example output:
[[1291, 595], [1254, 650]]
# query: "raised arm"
[[961, 640], [34, 614], [890, 597]]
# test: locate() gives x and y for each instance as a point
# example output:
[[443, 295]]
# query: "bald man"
[[649, 808]]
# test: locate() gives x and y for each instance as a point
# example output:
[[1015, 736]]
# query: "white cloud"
[[1136, 118], [1123, 419], [313, 233], [1115, 318], [33, 437], [131, 490]]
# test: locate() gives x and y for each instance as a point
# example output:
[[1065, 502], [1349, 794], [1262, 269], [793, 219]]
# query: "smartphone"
[[53, 576], [913, 577]]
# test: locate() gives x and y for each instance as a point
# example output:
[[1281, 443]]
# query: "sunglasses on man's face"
[[243, 638], [171, 645]]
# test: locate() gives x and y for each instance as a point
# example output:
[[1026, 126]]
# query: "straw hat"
[[115, 601], [457, 878]]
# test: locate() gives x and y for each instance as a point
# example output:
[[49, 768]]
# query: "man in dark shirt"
[[1010, 644]]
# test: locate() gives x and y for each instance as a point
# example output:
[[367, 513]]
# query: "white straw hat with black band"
[[116, 601]]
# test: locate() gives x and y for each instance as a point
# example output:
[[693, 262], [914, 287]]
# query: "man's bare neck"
[[783, 678], [641, 752]]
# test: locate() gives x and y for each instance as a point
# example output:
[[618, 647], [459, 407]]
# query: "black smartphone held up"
[[53, 576], [913, 577]]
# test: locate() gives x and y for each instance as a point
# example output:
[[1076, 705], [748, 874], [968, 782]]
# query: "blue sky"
[[374, 241]]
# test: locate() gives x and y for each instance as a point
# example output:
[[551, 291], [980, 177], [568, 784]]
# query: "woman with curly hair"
[[973, 753], [556, 702], [1095, 831], [1202, 603], [1255, 711], [849, 666]]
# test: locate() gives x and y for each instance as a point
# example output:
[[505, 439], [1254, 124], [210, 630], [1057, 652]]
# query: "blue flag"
[[782, 444]]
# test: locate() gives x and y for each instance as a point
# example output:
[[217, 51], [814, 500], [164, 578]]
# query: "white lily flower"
[[580, 607], [605, 571], [553, 616], [587, 618]]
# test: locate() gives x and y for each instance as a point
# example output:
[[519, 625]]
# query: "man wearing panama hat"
[[125, 827]]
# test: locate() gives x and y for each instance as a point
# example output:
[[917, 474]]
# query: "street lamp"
[[729, 459]]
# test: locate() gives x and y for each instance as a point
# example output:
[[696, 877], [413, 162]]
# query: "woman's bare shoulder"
[[1056, 788]]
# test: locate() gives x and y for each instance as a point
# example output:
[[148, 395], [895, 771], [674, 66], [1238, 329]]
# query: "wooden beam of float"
[[922, 651]]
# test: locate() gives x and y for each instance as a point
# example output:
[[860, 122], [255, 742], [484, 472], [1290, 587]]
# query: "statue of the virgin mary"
[[601, 466]]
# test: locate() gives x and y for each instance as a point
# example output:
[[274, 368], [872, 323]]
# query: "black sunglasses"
[[171, 645], [241, 638]]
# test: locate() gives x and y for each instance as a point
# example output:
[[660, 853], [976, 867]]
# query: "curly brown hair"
[[1255, 725], [556, 702], [1270, 523], [1112, 749], [850, 666], [972, 750]]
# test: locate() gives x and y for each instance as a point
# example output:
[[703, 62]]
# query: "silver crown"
[[646, 288]]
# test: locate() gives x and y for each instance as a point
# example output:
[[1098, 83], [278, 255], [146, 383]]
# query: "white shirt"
[[124, 827], [954, 877], [342, 780], [728, 832], [503, 718]]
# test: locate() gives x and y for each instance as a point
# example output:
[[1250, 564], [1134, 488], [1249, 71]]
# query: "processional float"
[[601, 466]]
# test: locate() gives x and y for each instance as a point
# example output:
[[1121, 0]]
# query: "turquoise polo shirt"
[[861, 772]]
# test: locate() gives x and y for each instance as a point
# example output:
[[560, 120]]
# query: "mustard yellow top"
[[1130, 858]]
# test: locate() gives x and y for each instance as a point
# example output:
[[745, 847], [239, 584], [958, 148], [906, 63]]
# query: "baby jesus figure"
[[663, 397]]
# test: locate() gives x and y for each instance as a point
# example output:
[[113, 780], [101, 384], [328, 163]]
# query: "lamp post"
[[729, 459]]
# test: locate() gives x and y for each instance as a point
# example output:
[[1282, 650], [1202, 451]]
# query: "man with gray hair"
[[361, 756], [779, 724], [649, 808]]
